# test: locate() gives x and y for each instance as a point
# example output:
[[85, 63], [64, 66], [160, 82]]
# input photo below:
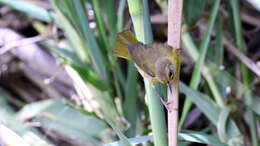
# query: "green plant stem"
[[156, 115], [143, 32], [244, 70], [199, 64], [136, 12], [120, 15]]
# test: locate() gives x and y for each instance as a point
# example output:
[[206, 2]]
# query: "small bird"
[[156, 62]]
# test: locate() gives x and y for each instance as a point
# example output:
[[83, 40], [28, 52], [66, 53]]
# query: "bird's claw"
[[167, 105]]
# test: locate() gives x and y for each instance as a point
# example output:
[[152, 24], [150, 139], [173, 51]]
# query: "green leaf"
[[80, 135], [80, 34], [205, 103], [134, 141], [196, 74], [9, 120], [192, 10], [212, 112], [98, 58], [71, 33], [130, 104], [189, 136], [31, 110], [109, 7], [85, 71], [124, 141], [224, 79], [63, 119], [66, 54], [200, 137], [100, 23], [89, 76], [30, 10], [219, 54], [222, 123]]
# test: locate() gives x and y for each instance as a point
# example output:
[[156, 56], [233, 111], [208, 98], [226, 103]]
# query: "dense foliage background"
[[61, 85]]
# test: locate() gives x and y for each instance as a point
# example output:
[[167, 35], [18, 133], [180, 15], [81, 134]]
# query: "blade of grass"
[[30, 9], [109, 6], [71, 33], [198, 66], [200, 137], [123, 140], [245, 73], [100, 22], [68, 54], [134, 141], [212, 112], [192, 10], [209, 74], [222, 123], [88, 76], [207, 105], [142, 26], [64, 120], [85, 71], [8, 118], [130, 104], [225, 79], [219, 44], [191, 49], [105, 104], [97, 57], [187, 135]]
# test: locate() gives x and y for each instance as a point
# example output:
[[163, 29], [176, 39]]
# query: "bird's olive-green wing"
[[140, 57]]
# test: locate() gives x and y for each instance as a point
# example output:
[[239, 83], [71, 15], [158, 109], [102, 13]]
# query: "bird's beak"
[[169, 87]]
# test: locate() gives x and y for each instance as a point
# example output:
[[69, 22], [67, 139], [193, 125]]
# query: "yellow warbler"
[[156, 62]]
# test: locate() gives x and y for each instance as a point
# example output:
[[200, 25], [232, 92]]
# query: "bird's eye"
[[170, 74]]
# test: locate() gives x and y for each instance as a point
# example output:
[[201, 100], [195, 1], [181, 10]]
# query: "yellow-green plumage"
[[157, 62]]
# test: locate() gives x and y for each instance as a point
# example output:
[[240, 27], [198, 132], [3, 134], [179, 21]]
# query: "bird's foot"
[[167, 105]]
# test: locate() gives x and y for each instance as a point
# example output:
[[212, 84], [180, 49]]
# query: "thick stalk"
[[174, 40], [143, 33]]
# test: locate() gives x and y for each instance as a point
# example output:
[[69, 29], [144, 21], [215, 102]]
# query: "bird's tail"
[[124, 39]]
